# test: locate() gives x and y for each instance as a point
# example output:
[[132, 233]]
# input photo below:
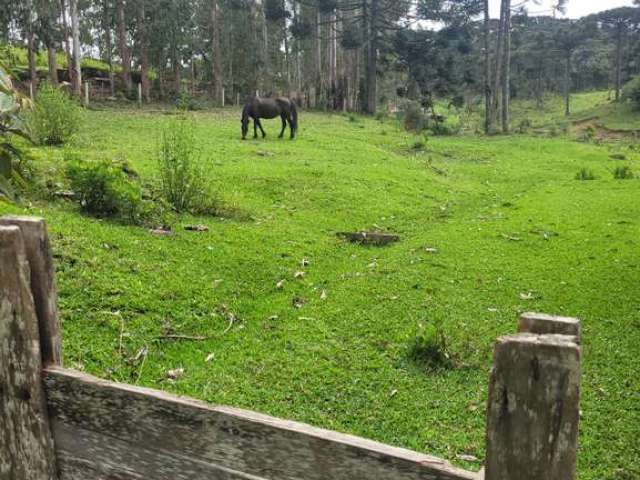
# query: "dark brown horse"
[[268, 108]]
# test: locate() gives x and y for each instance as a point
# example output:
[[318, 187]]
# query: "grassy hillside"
[[489, 228]]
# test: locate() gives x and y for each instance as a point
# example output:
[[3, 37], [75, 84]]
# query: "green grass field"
[[514, 231]]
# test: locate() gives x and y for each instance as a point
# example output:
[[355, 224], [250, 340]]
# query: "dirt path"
[[602, 132]]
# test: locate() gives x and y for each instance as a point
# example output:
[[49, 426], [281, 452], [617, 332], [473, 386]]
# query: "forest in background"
[[355, 55]]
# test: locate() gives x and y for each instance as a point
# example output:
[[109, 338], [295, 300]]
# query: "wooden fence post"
[[238, 99], [26, 444], [223, 97], [534, 402], [43, 285], [139, 95], [86, 94]]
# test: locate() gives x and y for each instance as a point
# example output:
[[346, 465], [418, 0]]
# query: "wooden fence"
[[61, 424]]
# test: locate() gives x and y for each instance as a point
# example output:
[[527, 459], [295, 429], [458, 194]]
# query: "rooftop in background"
[[575, 8]]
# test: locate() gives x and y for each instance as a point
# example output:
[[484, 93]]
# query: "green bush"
[[623, 173], [631, 91], [186, 102], [105, 191], [55, 118], [413, 117], [428, 347], [585, 174], [182, 180]]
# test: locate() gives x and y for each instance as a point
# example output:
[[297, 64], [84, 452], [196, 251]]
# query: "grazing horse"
[[268, 108]]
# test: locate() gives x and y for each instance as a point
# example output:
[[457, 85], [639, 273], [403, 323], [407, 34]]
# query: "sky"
[[576, 8]]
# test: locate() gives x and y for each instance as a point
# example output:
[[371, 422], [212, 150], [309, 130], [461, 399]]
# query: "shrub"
[[182, 181], [104, 190], [413, 117], [523, 126], [186, 102], [631, 92], [623, 173], [585, 174], [419, 146], [381, 116], [55, 118], [428, 347]]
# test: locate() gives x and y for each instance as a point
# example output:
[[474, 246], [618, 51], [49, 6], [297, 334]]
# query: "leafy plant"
[[104, 190], [181, 178], [55, 118], [631, 92], [428, 347], [186, 101], [623, 173], [12, 103], [585, 174]]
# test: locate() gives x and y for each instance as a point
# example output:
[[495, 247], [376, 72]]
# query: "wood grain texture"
[[533, 408], [542, 324], [43, 285], [110, 431], [26, 444]]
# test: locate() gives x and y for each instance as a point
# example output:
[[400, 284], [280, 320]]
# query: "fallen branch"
[[182, 337], [370, 238]]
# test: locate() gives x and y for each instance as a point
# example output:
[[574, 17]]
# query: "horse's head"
[[245, 123]]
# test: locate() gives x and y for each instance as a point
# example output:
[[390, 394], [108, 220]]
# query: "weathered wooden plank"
[[84, 454], [26, 445], [43, 285], [533, 408], [223, 440], [542, 324]]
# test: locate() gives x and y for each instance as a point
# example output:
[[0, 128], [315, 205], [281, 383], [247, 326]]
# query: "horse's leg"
[[284, 125], [293, 132], [261, 129], [255, 128]]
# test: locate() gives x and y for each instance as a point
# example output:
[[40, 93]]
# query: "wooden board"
[[111, 431], [43, 286], [26, 445]]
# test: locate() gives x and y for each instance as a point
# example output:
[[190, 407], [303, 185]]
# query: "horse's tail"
[[294, 116]]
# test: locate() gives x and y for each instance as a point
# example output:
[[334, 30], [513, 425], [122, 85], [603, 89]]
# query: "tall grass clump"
[[55, 118], [585, 174], [182, 180], [623, 173], [429, 347]]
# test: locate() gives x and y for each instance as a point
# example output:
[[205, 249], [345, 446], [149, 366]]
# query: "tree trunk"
[[567, 85], [216, 52], [618, 61], [144, 51], [506, 80], [67, 46], [125, 56], [31, 53], [487, 70], [106, 26], [53, 64], [372, 60], [318, 57], [75, 29], [498, 66]]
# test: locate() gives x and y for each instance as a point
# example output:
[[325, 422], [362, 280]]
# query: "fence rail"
[[59, 424]]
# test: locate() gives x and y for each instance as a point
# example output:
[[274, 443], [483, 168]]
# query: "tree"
[[487, 68], [618, 21], [568, 38], [123, 47], [75, 29], [216, 51]]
